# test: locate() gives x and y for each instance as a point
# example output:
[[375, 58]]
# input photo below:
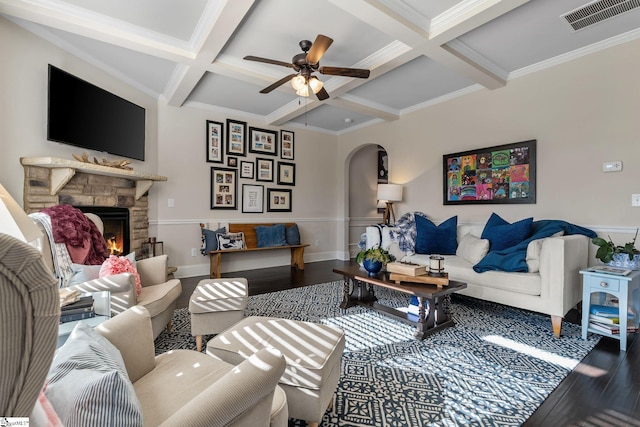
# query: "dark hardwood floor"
[[603, 391]]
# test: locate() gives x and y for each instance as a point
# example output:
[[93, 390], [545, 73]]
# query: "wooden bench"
[[251, 245]]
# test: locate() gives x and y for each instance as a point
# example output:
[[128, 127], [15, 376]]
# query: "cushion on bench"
[[270, 235]]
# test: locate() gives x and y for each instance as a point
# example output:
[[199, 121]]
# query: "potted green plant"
[[627, 256], [373, 259]]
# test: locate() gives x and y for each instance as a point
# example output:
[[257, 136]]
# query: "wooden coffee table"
[[358, 289]]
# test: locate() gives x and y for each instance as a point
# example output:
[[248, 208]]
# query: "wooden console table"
[[358, 289]]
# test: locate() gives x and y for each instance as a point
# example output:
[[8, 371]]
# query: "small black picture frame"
[[286, 173], [279, 200], [263, 141], [236, 138]]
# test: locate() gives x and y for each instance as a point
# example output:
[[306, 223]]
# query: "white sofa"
[[554, 289]]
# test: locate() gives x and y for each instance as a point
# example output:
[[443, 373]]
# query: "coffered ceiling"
[[190, 52]]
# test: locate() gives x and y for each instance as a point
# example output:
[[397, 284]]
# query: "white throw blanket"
[[61, 258]]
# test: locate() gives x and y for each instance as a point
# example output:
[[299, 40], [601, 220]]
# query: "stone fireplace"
[[50, 181]]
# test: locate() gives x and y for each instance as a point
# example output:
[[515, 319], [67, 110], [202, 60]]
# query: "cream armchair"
[[158, 294], [177, 388], [188, 388]]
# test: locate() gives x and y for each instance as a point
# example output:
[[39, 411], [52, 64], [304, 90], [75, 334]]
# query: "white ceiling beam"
[[359, 105], [98, 27], [215, 29]]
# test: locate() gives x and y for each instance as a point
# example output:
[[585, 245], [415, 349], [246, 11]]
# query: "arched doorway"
[[368, 166]]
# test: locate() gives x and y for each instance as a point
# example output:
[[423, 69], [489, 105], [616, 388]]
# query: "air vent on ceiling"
[[598, 11]]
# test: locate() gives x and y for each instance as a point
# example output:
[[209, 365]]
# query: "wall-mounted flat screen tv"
[[87, 116]]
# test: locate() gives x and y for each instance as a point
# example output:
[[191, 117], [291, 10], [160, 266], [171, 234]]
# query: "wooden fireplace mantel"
[[62, 170]]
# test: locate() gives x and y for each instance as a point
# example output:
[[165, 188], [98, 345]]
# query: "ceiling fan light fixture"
[[303, 91], [315, 84], [298, 82]]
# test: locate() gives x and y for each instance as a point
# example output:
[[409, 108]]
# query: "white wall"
[[581, 113], [23, 105], [182, 158]]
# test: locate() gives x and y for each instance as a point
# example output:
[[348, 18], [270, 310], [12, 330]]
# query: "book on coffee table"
[[408, 269]]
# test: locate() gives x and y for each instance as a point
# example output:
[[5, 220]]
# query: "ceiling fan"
[[305, 64]]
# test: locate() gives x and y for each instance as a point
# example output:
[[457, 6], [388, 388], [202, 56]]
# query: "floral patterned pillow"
[[119, 264]]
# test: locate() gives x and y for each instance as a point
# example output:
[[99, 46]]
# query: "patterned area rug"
[[493, 368]]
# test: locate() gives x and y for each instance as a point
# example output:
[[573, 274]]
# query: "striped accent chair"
[[28, 325]]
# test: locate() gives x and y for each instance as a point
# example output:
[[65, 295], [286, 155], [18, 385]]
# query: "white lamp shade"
[[14, 221], [390, 192]]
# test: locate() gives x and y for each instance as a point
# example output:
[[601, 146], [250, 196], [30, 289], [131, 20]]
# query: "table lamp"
[[389, 193], [14, 221]]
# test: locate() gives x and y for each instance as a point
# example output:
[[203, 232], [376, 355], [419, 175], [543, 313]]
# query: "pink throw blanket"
[[84, 241]]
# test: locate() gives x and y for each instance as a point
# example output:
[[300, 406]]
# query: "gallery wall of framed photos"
[[254, 167]]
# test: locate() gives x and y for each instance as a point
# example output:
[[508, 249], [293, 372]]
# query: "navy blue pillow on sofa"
[[502, 235], [440, 239], [270, 235]]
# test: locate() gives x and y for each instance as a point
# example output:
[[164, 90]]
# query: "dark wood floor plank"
[[603, 391]]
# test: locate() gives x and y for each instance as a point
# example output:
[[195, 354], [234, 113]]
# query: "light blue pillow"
[[502, 235], [210, 239], [88, 383], [270, 235], [292, 235], [436, 239]]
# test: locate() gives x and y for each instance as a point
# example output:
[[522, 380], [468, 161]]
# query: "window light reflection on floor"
[[555, 359]]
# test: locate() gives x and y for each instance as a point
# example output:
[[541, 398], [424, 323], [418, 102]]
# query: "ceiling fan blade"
[[322, 94], [318, 48], [278, 83], [346, 72], [268, 61]]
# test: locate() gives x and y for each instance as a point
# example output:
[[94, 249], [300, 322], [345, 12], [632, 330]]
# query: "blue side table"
[[625, 288]]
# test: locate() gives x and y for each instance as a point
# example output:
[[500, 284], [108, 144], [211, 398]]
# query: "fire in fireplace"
[[116, 227]]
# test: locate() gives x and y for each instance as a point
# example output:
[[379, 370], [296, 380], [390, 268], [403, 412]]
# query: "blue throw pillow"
[[210, 240], [436, 239], [502, 235], [292, 235], [272, 235]]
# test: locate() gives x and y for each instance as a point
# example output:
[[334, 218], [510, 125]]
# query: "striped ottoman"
[[312, 352]]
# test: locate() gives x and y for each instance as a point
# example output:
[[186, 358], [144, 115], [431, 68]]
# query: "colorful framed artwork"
[[224, 188], [286, 173], [263, 141], [278, 200], [264, 170], [504, 174], [215, 138], [286, 144], [252, 198], [247, 169], [236, 137]]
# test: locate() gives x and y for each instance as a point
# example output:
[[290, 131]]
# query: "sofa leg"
[[556, 322], [169, 326], [199, 343]]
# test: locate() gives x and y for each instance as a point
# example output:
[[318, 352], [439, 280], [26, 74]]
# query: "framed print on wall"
[[252, 198], [504, 174], [224, 188], [263, 141], [232, 162], [286, 173], [246, 169], [278, 200], [286, 145], [215, 131], [264, 170], [236, 137]]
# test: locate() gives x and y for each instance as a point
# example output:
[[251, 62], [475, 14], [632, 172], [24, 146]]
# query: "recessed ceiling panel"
[[536, 32], [418, 81], [175, 18], [230, 93], [274, 28], [148, 71], [431, 8], [332, 118]]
